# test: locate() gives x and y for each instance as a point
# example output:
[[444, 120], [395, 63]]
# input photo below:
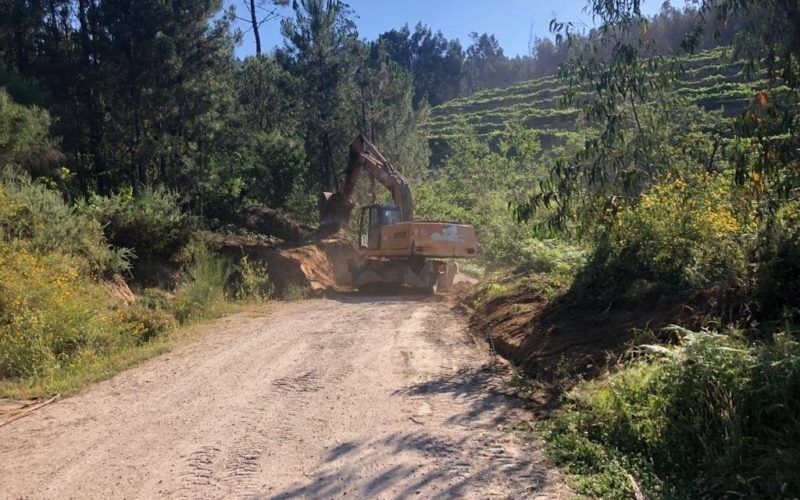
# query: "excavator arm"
[[336, 208]]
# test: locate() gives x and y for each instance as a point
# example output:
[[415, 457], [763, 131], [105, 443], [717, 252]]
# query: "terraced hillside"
[[710, 80]]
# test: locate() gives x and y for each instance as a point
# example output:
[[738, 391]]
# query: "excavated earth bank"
[[548, 339], [316, 266]]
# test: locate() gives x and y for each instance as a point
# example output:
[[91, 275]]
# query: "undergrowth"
[[63, 322], [713, 417], [202, 290]]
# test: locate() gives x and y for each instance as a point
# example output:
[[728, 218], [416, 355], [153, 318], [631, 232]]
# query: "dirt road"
[[369, 397]]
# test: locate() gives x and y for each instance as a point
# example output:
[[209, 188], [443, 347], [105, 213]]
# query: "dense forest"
[[145, 94], [645, 164]]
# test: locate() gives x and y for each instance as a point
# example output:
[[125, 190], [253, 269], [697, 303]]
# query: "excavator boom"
[[336, 208], [395, 249]]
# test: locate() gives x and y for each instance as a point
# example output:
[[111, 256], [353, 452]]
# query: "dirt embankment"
[[570, 334], [316, 266]]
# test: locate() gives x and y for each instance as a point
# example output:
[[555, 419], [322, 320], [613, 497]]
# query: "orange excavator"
[[397, 250]]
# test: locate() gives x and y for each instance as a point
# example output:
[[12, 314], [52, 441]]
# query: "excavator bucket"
[[334, 212], [335, 208]]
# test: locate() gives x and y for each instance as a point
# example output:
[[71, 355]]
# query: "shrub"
[[23, 130], [252, 282], [156, 298], [549, 256], [150, 222], [39, 216], [49, 311], [778, 287], [683, 232], [145, 324], [712, 418], [203, 287]]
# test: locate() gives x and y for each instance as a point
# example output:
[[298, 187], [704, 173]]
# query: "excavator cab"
[[394, 248], [373, 218]]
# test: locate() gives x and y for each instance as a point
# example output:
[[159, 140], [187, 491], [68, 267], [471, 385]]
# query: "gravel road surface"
[[363, 396]]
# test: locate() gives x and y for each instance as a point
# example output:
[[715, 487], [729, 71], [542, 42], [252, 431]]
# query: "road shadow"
[[463, 454], [449, 470], [481, 392]]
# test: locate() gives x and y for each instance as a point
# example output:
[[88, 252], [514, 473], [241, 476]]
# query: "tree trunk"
[[254, 20]]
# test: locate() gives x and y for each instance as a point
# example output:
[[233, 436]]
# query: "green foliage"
[[55, 319], [448, 193], [49, 311], [709, 81], [37, 215], [264, 165], [711, 418], [763, 153], [767, 33], [553, 257], [202, 290], [156, 299], [141, 94], [252, 282], [146, 323], [150, 222], [777, 289], [320, 38], [435, 62], [21, 90], [683, 232], [23, 131]]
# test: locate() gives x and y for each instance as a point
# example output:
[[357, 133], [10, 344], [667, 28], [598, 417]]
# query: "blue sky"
[[511, 21]]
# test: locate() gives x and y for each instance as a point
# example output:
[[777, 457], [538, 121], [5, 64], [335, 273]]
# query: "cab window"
[[390, 216]]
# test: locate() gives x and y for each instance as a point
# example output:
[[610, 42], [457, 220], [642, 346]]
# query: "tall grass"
[[201, 294], [712, 418]]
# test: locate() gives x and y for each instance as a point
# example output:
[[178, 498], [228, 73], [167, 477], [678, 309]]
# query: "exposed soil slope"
[[373, 397], [549, 338], [315, 266]]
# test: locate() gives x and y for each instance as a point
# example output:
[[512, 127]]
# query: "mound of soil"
[[268, 222], [317, 267], [568, 336]]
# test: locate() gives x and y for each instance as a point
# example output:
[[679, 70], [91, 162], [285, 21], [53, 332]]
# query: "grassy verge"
[[75, 377], [714, 417], [61, 330]]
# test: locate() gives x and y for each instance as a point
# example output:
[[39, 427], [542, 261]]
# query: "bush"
[[684, 232], [145, 323], [712, 418], [49, 312], [54, 316], [777, 290], [39, 216], [549, 256], [203, 288], [23, 130], [156, 299], [150, 222], [252, 282]]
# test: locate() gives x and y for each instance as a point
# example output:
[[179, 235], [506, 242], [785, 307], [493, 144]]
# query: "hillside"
[[709, 81]]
